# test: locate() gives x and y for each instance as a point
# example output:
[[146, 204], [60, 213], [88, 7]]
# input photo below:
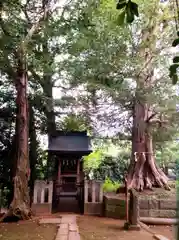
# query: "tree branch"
[[158, 121], [36, 26], [150, 118], [3, 27]]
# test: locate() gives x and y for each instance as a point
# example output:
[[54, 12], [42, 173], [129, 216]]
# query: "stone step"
[[50, 221]]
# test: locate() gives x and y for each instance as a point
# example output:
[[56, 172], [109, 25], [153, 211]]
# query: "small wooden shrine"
[[68, 149], [68, 191]]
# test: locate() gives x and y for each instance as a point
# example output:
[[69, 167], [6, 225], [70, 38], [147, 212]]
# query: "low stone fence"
[[93, 198], [147, 205], [114, 207], [157, 207], [42, 198]]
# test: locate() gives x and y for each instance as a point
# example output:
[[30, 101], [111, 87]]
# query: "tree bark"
[[50, 115], [33, 156], [20, 205], [143, 171]]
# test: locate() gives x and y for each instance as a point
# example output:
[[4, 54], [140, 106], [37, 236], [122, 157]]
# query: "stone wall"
[[157, 207], [114, 207], [149, 206]]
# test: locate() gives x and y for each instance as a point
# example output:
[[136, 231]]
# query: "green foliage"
[[167, 153], [173, 70], [93, 160], [121, 18], [128, 11], [111, 167], [74, 122], [175, 42], [108, 161], [4, 197], [110, 186]]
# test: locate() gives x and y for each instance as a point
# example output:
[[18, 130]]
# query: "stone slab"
[[50, 221], [63, 226], [115, 212], [153, 203], [61, 237], [95, 209], [159, 237], [73, 227], [167, 214], [68, 219], [134, 227], [128, 226], [162, 213], [143, 203], [74, 236], [143, 213], [41, 208], [168, 204], [111, 200], [62, 231]]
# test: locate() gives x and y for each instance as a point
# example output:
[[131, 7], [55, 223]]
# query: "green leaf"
[[173, 69], [121, 5], [176, 59], [173, 73], [178, 33], [175, 42], [121, 17], [134, 8], [130, 14], [174, 79]]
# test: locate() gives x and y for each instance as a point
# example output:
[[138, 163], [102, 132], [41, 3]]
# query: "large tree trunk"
[[20, 206], [143, 171]]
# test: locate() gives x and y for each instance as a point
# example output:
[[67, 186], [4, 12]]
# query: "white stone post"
[[86, 191], [35, 194], [100, 192], [93, 192], [50, 192], [42, 195]]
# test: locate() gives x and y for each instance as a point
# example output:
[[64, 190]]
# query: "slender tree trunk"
[[20, 205], [50, 115], [13, 158], [32, 150], [143, 171]]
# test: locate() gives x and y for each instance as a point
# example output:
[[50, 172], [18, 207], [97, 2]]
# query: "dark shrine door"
[[68, 176]]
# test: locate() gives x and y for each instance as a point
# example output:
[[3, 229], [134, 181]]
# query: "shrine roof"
[[70, 142]]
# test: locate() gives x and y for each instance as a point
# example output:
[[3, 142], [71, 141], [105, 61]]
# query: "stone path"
[[67, 227]]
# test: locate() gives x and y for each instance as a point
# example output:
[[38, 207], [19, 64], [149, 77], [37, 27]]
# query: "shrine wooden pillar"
[[59, 171], [78, 171]]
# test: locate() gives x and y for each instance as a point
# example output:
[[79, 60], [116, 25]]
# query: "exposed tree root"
[[144, 174], [20, 206], [16, 214]]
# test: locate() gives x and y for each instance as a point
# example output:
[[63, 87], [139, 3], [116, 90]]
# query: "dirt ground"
[[27, 230], [96, 228], [167, 231], [91, 228]]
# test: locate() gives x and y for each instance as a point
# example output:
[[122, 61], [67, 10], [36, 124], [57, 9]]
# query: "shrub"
[[110, 186]]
